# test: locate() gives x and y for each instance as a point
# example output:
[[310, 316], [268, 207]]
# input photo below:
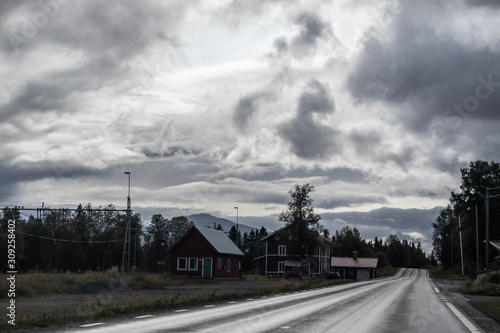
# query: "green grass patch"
[[386, 271], [490, 308], [447, 274]]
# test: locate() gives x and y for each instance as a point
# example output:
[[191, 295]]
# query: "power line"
[[69, 240]]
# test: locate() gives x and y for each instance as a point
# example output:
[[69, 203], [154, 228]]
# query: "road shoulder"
[[464, 303]]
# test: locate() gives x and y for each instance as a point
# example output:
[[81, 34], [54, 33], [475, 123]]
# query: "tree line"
[[465, 217], [92, 239]]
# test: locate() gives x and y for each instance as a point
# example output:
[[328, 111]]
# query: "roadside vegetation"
[[38, 284], [43, 284], [487, 284]]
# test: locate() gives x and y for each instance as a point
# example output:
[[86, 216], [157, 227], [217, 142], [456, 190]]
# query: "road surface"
[[407, 302]]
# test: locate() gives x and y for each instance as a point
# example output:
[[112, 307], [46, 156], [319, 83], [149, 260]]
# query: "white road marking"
[[209, 306], [91, 325], [462, 318], [183, 310], [437, 290], [232, 302], [145, 316]]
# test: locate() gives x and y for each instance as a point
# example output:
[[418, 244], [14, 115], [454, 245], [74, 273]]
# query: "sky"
[[212, 105]]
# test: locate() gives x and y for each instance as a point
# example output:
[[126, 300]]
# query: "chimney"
[[355, 255]]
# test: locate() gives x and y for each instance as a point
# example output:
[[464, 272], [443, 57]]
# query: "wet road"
[[407, 302]]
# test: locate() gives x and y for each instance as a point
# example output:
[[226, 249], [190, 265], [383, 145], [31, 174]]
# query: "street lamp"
[[237, 224], [126, 242]]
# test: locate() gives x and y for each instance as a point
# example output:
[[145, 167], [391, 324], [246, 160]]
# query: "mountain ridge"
[[210, 221]]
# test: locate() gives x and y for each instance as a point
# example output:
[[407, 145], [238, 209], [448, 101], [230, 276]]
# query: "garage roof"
[[354, 263]]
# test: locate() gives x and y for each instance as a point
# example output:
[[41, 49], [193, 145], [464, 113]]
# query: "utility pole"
[[487, 199], [477, 244], [487, 244], [461, 249]]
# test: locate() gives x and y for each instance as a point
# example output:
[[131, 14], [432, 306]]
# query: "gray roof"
[[220, 241]]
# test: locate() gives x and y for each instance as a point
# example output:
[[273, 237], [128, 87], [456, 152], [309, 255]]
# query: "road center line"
[[145, 316]]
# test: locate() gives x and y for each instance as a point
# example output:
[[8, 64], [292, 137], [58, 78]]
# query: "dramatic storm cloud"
[[212, 105], [309, 137]]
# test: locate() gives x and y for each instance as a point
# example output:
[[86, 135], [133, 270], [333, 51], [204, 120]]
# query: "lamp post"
[[126, 242], [237, 227]]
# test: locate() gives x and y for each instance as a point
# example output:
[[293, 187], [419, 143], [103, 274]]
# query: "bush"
[[484, 284]]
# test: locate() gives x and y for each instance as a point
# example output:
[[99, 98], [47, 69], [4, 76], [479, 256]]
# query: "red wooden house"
[[206, 253], [278, 261]]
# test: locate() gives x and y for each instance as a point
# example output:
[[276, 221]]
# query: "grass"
[[490, 308], [386, 271], [447, 274], [36, 284], [48, 285]]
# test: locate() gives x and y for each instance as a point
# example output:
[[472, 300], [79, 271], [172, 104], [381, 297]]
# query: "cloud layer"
[[230, 103]]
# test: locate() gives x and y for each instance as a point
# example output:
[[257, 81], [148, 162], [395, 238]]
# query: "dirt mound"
[[96, 287], [117, 286]]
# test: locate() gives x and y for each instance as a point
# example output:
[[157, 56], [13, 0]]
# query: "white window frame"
[[281, 267], [282, 250], [179, 268], [195, 260]]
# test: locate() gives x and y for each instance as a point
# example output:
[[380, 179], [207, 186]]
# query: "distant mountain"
[[207, 220]]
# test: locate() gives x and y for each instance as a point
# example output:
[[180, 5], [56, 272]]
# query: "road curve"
[[406, 302]]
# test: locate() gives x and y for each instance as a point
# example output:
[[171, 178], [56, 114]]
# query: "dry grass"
[[36, 284], [46, 287]]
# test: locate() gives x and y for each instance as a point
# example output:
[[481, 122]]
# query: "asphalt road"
[[407, 302]]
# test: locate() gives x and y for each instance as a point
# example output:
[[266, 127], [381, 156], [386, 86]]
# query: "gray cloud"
[[309, 138], [247, 105], [426, 74], [484, 3], [312, 29], [108, 37]]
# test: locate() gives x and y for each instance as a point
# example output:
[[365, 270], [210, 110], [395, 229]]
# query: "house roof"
[[354, 263], [220, 241], [320, 237], [276, 231]]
